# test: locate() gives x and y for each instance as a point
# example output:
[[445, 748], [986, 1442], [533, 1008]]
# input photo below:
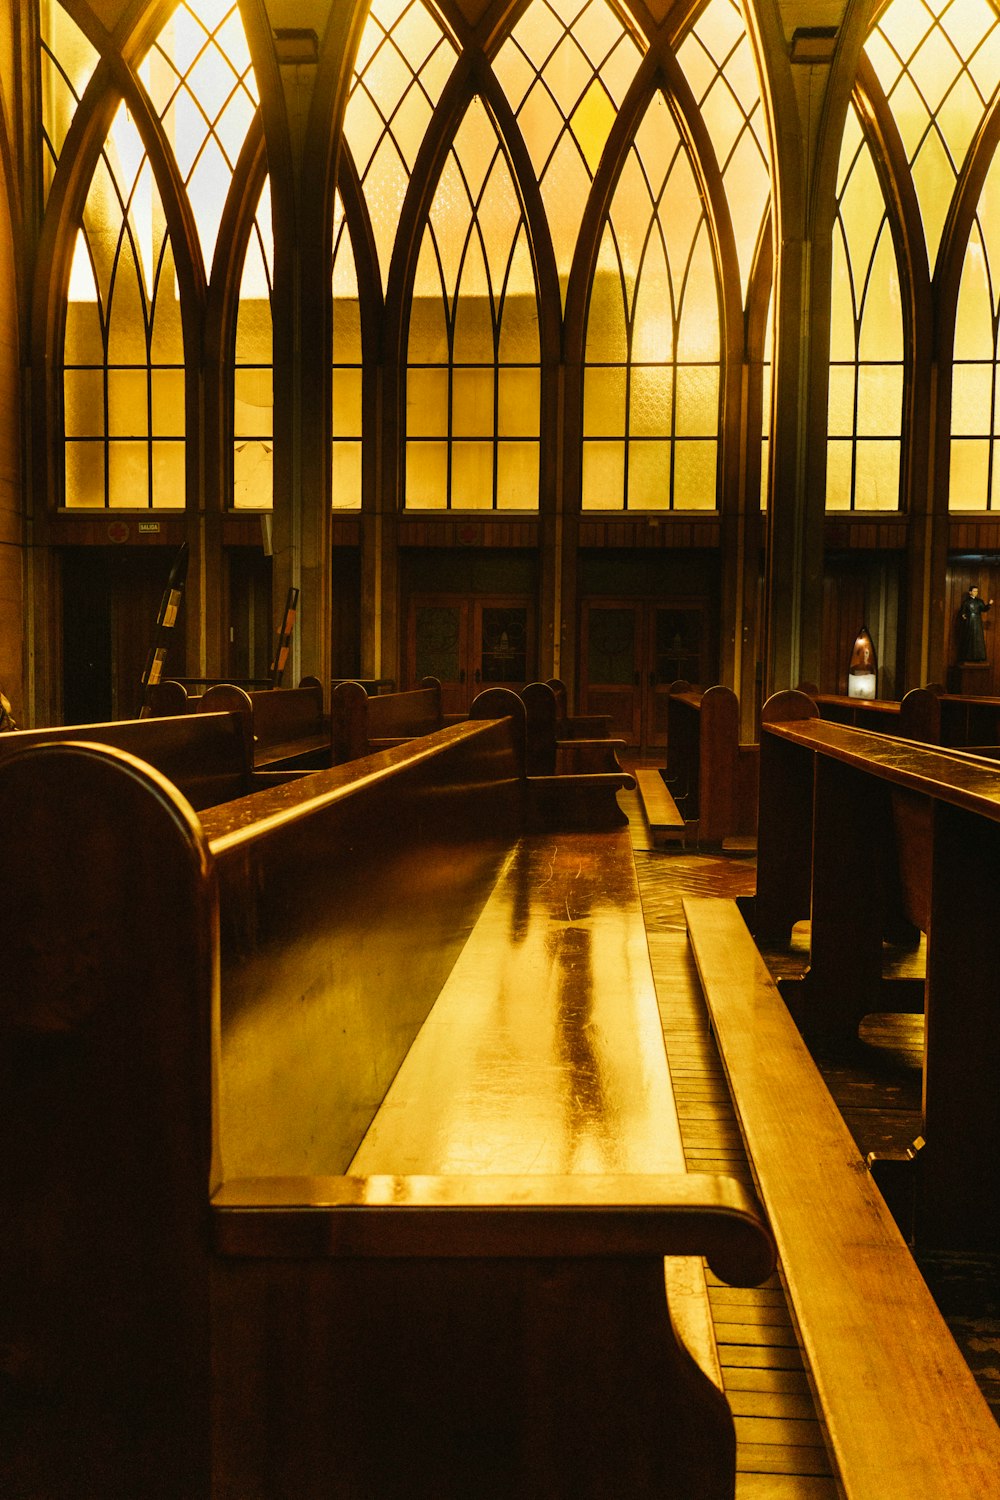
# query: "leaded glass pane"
[[876, 482], [67, 62], [603, 475], [253, 420]]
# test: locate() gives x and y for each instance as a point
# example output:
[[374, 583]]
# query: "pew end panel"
[[106, 1041]]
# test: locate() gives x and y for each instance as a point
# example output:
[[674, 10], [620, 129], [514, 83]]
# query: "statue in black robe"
[[971, 642]]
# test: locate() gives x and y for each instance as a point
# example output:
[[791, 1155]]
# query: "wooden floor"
[[781, 1453]]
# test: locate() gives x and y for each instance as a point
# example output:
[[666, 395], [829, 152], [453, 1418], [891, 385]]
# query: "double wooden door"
[[631, 650], [470, 642]]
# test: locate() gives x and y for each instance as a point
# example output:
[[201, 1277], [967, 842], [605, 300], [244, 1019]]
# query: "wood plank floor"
[[781, 1453], [780, 1449]]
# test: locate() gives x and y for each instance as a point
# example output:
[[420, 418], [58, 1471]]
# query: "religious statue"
[[971, 643]]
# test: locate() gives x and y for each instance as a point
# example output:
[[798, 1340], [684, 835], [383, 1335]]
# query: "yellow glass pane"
[[657, 142], [363, 126], [167, 391], [83, 398], [882, 318], [652, 326], [346, 332], [650, 413], [519, 329], [499, 217], [537, 32], [208, 188], [517, 476], [451, 214], [168, 476], [253, 476], [254, 401], [697, 401], [974, 320], [426, 476], [876, 479], [567, 73], [472, 476], [128, 393], [126, 333], [427, 403], [591, 123], [472, 403], [969, 479], [995, 495], [128, 475], [233, 123], [905, 25], [971, 400], [698, 334], [604, 401], [473, 335], [346, 403], [606, 333], [695, 478], [519, 394], [840, 408], [167, 342], [84, 475], [849, 144], [985, 64], [880, 400], [603, 476], [838, 474], [681, 212], [428, 341], [346, 491], [254, 332], [475, 146], [649, 476], [765, 471], [540, 123], [619, 68], [934, 180]]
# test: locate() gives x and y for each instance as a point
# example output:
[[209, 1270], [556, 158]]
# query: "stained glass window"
[[864, 424], [975, 396], [124, 372], [652, 373], [473, 379]]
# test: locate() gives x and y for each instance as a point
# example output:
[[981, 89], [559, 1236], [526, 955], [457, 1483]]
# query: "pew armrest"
[[513, 1217]]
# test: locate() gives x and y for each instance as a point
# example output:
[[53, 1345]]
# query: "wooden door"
[[470, 642], [437, 645], [611, 664]]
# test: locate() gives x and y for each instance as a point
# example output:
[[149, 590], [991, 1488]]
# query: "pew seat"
[[664, 818], [347, 1130], [904, 1417]]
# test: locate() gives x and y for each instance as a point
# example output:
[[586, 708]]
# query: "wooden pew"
[[207, 756], [290, 729], [346, 1157], [576, 726], [877, 839], [970, 723], [709, 774], [569, 784], [903, 1415], [917, 716], [362, 724]]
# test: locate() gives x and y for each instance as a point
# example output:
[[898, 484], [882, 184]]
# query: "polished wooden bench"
[[362, 724], [571, 726], [291, 730], [874, 839], [207, 756], [570, 784], [710, 775], [903, 1416], [347, 1157], [916, 716]]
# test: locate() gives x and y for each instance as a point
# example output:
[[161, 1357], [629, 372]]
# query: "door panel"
[[611, 676], [470, 643], [437, 646], [675, 650]]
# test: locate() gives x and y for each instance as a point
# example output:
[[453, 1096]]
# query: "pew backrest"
[[362, 724]]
